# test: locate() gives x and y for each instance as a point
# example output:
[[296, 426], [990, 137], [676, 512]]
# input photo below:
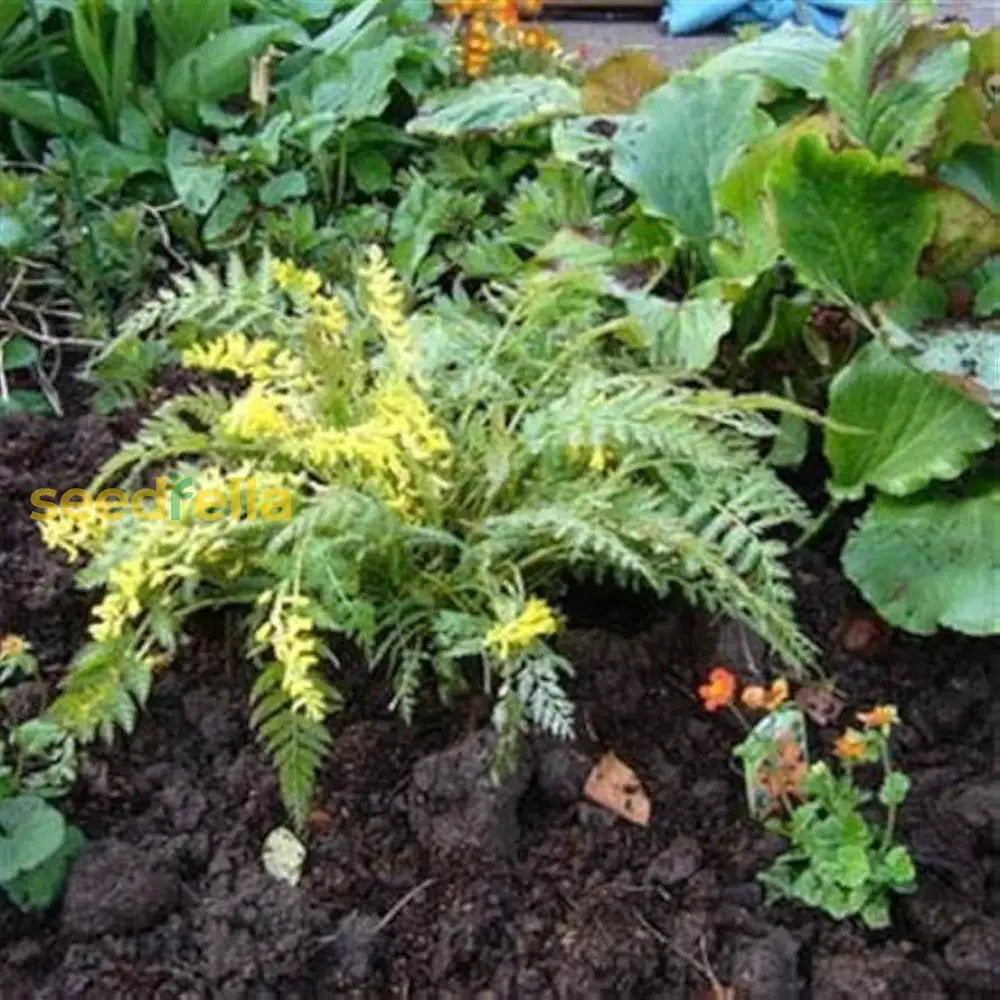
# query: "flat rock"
[[453, 803], [677, 863], [973, 955], [768, 968], [873, 977], [116, 888]]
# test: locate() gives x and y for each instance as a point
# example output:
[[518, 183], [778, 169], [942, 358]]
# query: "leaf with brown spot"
[[614, 785], [618, 84]]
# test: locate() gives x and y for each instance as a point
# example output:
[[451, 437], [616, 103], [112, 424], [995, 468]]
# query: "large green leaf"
[[975, 170], [916, 428], [682, 335], [850, 223], [30, 831], [750, 243], [216, 69], [198, 184], [793, 56], [357, 87], [890, 108], [500, 104], [931, 560], [681, 142], [54, 114]]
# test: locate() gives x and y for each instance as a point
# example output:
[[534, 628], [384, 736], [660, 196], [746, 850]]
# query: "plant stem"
[[341, 171], [819, 522]]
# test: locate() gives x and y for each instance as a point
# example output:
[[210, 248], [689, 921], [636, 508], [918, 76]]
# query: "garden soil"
[[424, 880]]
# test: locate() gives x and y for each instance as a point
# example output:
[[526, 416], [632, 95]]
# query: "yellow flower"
[[535, 620], [81, 530], [258, 414], [263, 360], [327, 318], [295, 280], [882, 717], [289, 631], [598, 460], [12, 645], [384, 300]]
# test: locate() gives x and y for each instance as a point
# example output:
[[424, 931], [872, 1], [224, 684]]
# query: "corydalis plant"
[[444, 471]]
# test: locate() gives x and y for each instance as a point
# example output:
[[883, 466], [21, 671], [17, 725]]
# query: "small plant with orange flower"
[[37, 765], [840, 858], [493, 36]]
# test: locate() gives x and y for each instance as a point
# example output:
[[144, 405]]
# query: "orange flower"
[[476, 47], [720, 690], [537, 39], [768, 699], [851, 746], [12, 645], [506, 14], [882, 717]]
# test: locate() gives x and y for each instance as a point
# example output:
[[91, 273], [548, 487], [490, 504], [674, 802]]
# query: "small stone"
[[767, 968], [116, 888], [354, 941], [676, 864], [873, 977], [561, 773], [595, 816], [453, 803], [978, 805], [935, 912], [973, 955]]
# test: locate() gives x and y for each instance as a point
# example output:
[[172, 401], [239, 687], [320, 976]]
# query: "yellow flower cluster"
[[296, 281], [290, 632], [81, 529], [130, 584], [536, 619], [260, 414], [326, 316], [382, 451], [385, 301], [263, 360]]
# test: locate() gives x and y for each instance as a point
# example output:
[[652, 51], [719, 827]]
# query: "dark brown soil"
[[518, 892]]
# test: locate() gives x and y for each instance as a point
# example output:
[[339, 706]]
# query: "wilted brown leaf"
[[618, 84], [614, 785], [820, 702]]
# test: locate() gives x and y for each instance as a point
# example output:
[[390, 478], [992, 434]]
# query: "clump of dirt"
[[425, 881]]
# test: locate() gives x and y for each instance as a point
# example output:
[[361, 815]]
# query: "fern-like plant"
[[441, 475]]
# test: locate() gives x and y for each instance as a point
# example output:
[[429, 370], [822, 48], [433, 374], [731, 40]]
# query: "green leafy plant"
[[37, 763], [439, 475], [838, 860]]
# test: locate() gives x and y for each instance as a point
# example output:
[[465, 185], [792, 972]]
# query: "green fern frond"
[[241, 299], [296, 744], [106, 686], [184, 425]]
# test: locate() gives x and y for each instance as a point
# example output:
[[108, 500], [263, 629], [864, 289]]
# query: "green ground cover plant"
[[447, 474]]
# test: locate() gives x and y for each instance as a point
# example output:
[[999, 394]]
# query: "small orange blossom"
[[850, 746], [720, 690], [768, 699], [12, 645], [882, 717]]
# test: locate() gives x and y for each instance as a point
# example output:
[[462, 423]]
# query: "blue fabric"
[[688, 17]]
